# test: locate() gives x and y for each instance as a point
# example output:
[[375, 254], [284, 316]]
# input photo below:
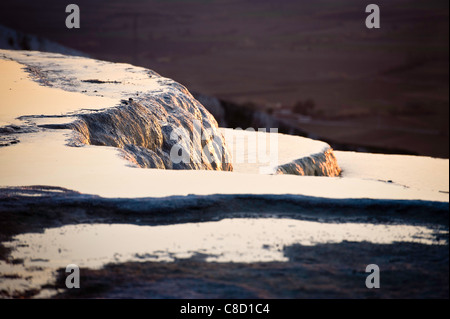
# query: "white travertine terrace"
[[42, 156]]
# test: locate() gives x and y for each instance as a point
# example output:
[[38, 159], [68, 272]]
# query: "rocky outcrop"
[[262, 152], [150, 109], [319, 164], [16, 40]]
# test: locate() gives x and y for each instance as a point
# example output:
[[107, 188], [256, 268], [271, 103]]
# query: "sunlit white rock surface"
[[414, 172], [113, 104], [273, 153], [41, 156]]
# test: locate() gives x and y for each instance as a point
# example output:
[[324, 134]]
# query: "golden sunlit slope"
[[42, 156]]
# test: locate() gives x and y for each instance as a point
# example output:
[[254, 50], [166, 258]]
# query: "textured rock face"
[[15, 40], [150, 109], [143, 129], [280, 154], [319, 164]]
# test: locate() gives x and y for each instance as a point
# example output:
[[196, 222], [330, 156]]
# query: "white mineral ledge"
[[43, 157]]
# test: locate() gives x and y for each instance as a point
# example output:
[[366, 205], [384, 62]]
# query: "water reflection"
[[230, 240]]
